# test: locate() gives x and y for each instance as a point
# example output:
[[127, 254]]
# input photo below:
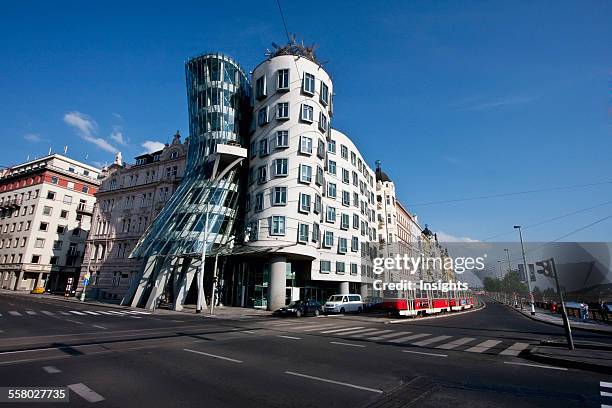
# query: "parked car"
[[343, 304], [38, 291], [300, 308], [372, 303]]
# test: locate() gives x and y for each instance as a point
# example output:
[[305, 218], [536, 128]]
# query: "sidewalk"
[[545, 316], [591, 359]]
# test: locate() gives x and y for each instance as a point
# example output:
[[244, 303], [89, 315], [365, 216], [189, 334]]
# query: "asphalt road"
[[123, 358]]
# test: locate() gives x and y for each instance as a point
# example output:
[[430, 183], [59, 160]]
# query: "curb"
[[561, 362], [587, 329]]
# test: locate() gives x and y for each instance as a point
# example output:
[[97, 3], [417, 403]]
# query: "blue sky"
[[458, 99]]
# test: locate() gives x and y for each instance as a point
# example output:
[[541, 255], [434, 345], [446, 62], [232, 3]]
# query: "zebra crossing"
[[73, 313], [390, 336]]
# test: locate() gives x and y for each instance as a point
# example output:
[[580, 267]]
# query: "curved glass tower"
[[203, 209]]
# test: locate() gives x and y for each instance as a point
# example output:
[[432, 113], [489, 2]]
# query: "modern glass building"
[[201, 215]]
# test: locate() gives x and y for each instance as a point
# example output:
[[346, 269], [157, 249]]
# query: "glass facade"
[[204, 207]]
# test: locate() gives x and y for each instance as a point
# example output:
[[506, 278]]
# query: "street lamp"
[[518, 227]]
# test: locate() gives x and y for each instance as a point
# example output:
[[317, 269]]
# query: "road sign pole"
[[566, 323]]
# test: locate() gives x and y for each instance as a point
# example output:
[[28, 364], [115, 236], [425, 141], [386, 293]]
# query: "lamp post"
[[201, 273], [518, 227]]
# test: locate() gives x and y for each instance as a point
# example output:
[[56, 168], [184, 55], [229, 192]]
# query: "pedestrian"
[[586, 312]]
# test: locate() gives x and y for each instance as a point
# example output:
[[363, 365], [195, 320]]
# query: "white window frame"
[[305, 203], [307, 117], [282, 138], [282, 111], [328, 239], [280, 74], [279, 192], [308, 83], [303, 233], [277, 221], [306, 145], [304, 177]]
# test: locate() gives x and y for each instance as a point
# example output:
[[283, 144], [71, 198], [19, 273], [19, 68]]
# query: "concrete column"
[[277, 285], [11, 283], [3, 277], [363, 289], [39, 279], [343, 288], [139, 285], [18, 281]]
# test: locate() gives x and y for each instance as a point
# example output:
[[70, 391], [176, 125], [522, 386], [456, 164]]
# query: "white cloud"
[[444, 237], [86, 127], [481, 104], [117, 136], [152, 146], [32, 137]]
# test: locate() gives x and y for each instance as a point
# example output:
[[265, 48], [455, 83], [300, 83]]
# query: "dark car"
[[300, 308], [372, 303]]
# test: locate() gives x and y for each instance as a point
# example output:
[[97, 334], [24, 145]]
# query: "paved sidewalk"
[[555, 319], [592, 359]]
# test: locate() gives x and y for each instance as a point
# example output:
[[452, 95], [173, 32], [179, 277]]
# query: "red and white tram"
[[426, 302]]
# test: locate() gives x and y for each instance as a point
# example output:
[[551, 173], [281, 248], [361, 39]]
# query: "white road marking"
[[135, 317], [77, 313], [104, 312], [425, 354], [98, 327], [605, 394], [0, 314], [52, 370], [536, 365], [370, 334], [91, 313], [356, 331], [456, 343], [605, 384], [15, 313], [408, 338], [48, 313], [248, 332], [74, 321], [341, 330], [388, 336], [139, 312], [86, 393], [31, 312], [359, 387], [346, 344], [606, 406], [484, 346], [515, 349], [290, 337], [431, 340], [319, 327], [213, 356]]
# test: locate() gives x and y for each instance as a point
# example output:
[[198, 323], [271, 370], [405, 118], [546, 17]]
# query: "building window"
[[61, 229], [261, 175], [344, 152], [282, 138], [304, 202], [262, 116], [325, 266], [309, 83], [318, 206], [67, 199], [331, 215], [344, 221], [340, 268], [316, 232], [306, 145], [35, 259], [346, 198], [260, 87], [331, 146], [331, 190], [346, 179], [51, 195], [43, 226], [47, 210], [263, 147], [354, 244], [279, 196], [342, 245], [354, 269], [57, 244], [305, 173], [328, 240], [303, 233], [321, 149], [116, 279], [259, 202], [280, 167], [322, 122], [85, 189], [331, 167], [355, 221], [53, 260], [39, 243], [54, 180], [324, 93], [282, 79], [277, 225], [307, 113], [253, 230], [282, 110]]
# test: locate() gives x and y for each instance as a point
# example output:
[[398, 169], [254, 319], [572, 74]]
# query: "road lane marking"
[[91, 313], [74, 321], [135, 317], [290, 337], [431, 340], [31, 312], [104, 312], [425, 354], [484, 346], [319, 327], [77, 313], [456, 343], [15, 313], [48, 313], [605, 394], [370, 334], [214, 356], [99, 327], [536, 365], [139, 312], [515, 349], [388, 336], [359, 387], [346, 344], [341, 330], [357, 331], [52, 369], [86, 393], [605, 384], [408, 338]]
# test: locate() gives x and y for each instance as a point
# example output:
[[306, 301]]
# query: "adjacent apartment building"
[[129, 199], [45, 214]]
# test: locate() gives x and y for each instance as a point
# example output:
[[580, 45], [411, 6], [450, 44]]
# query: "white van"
[[343, 304]]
